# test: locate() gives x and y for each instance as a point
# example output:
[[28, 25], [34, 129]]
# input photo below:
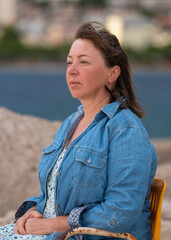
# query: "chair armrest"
[[95, 231]]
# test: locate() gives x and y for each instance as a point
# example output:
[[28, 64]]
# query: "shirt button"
[[112, 222], [58, 174], [89, 160]]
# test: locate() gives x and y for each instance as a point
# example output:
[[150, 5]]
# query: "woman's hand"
[[32, 222], [20, 224], [45, 226], [38, 226]]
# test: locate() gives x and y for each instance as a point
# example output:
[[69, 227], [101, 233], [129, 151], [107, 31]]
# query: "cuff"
[[73, 220], [23, 208]]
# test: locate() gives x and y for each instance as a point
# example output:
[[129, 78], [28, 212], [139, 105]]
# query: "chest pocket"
[[49, 154], [88, 166]]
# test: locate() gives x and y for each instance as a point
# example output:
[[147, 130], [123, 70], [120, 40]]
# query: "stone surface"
[[22, 139]]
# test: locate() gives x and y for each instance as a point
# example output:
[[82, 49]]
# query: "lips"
[[74, 83]]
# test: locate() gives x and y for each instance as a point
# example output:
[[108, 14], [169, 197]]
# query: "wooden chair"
[[156, 198]]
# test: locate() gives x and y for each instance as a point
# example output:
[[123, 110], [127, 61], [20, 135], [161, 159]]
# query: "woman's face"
[[87, 73]]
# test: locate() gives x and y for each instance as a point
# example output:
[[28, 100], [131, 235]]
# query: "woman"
[[99, 169]]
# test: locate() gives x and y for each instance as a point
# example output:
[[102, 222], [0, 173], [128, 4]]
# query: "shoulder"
[[125, 121], [127, 132], [125, 118], [121, 118]]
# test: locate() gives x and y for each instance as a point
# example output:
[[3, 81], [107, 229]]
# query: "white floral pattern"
[[7, 232], [49, 211]]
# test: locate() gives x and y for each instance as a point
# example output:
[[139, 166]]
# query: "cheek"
[[67, 76], [91, 74], [99, 76]]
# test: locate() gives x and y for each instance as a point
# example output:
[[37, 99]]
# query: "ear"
[[114, 74]]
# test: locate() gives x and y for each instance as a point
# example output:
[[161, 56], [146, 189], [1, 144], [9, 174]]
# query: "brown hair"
[[113, 55]]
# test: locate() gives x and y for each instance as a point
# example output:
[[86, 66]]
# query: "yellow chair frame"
[[156, 198]]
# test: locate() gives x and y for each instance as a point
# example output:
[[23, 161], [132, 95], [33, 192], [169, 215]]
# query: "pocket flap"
[[90, 158], [50, 148]]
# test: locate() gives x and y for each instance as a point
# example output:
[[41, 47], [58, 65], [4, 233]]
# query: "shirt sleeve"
[[25, 206], [129, 164], [73, 220]]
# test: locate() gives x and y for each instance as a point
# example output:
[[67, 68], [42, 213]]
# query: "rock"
[[163, 147], [22, 139], [164, 171], [8, 218]]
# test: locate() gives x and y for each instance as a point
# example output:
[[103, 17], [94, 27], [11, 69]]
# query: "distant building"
[[153, 5], [49, 25], [137, 31], [57, 21], [115, 24], [8, 12]]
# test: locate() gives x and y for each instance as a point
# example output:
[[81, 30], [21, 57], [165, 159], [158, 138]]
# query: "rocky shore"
[[22, 139]]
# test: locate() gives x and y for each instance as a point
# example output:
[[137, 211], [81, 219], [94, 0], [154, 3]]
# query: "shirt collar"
[[109, 110], [80, 109]]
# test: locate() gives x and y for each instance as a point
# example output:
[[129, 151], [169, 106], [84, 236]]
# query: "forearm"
[[59, 224]]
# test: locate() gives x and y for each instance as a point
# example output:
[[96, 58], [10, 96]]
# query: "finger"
[[22, 231], [16, 228], [16, 231], [36, 215], [20, 228], [39, 216]]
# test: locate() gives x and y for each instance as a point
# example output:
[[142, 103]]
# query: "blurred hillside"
[[44, 29]]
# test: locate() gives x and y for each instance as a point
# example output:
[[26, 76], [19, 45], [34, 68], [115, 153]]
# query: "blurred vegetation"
[[11, 48], [147, 12], [101, 3], [150, 54], [43, 3], [10, 44]]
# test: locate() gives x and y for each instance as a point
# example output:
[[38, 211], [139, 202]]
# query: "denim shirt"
[[108, 170]]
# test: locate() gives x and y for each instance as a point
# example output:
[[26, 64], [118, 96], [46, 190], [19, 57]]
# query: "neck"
[[91, 109]]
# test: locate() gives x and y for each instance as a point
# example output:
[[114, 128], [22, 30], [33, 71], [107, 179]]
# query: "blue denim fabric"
[[108, 169]]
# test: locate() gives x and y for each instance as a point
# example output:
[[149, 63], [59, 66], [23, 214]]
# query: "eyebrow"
[[82, 55]]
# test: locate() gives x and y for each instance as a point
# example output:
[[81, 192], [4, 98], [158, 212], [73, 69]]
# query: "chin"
[[75, 94]]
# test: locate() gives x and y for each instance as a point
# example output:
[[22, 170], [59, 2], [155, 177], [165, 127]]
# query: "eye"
[[69, 63], [83, 62]]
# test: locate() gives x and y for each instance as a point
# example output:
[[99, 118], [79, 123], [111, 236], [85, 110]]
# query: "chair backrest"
[[156, 198]]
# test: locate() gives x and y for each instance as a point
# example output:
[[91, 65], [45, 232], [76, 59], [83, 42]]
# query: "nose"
[[72, 69]]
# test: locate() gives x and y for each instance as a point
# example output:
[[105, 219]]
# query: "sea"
[[43, 92]]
